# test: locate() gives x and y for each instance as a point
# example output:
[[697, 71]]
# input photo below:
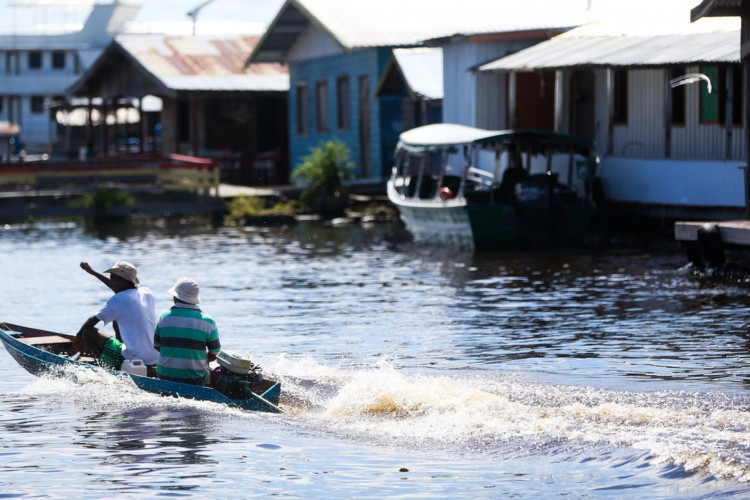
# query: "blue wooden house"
[[338, 51]]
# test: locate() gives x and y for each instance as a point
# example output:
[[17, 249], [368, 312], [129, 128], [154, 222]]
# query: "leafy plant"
[[324, 170]]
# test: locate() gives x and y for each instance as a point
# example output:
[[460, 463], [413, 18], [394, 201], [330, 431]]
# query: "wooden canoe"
[[40, 352]]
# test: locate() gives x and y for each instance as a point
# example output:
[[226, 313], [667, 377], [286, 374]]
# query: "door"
[[535, 101], [582, 103]]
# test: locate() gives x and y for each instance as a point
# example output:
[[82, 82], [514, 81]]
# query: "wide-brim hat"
[[186, 290], [124, 270]]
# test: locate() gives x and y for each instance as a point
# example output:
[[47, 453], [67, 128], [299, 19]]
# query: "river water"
[[406, 371]]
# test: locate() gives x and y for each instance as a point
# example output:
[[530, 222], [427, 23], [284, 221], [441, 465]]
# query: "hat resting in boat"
[[124, 270], [186, 290]]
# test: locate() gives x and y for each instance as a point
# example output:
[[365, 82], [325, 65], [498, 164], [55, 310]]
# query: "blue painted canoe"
[[40, 352]]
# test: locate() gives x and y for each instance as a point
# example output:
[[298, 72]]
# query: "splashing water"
[[507, 414]]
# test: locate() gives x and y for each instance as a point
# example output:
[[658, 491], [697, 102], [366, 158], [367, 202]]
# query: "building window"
[[321, 106], [35, 60], [343, 104], [709, 103], [302, 107], [736, 90], [58, 60], [678, 98], [37, 104], [621, 97]]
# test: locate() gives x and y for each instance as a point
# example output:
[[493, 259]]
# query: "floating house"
[[210, 104], [35, 70], [660, 96], [339, 51]]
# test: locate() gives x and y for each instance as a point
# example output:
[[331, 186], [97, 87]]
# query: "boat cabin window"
[[514, 164], [423, 175]]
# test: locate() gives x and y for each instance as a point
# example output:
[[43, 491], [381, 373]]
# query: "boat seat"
[[48, 339]]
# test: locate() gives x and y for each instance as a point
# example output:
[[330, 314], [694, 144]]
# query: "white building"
[[35, 71], [668, 151]]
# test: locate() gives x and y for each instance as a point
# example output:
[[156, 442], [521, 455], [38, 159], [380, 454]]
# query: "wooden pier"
[[174, 185], [732, 232]]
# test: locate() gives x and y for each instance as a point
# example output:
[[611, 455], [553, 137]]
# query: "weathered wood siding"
[[310, 71]]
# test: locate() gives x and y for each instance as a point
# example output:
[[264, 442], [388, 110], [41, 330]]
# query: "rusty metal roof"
[[204, 62], [354, 24], [626, 43]]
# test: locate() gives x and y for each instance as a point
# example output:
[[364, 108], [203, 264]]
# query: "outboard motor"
[[235, 376]]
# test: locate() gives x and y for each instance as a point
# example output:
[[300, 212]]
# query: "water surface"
[[588, 373]]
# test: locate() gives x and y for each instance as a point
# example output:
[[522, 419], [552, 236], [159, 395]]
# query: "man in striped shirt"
[[187, 338]]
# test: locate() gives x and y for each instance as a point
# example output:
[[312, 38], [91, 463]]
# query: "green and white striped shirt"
[[185, 335]]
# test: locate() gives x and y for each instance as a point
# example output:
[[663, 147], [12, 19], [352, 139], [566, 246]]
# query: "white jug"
[[134, 366]]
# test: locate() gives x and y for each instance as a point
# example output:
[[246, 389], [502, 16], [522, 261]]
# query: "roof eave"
[[310, 17], [114, 46], [712, 8]]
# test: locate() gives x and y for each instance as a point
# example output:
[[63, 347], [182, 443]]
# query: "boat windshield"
[[423, 174]]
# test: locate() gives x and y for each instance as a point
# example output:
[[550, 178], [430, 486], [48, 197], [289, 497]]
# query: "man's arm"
[[86, 267], [90, 322]]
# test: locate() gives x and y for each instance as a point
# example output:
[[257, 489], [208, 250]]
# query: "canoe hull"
[[40, 362]]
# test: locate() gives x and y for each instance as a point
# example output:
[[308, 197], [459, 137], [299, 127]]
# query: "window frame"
[[31, 56], [36, 104], [302, 109], [621, 96], [322, 125], [343, 104], [714, 96], [679, 96], [55, 59]]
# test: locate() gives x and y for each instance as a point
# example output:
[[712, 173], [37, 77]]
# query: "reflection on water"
[[580, 371], [149, 434]]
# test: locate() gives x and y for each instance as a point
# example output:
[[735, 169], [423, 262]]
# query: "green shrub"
[[324, 170]]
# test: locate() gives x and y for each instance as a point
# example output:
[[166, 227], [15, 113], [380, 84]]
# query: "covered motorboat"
[[486, 189]]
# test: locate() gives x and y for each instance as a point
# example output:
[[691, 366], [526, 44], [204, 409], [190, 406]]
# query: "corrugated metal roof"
[[198, 62], [422, 69], [391, 23], [626, 43]]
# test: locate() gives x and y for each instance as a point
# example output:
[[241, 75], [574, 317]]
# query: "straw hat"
[[186, 290], [124, 270]]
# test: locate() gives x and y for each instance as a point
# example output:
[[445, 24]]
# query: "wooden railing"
[[176, 173]]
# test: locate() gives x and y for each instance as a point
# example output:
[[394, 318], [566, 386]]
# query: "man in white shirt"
[[131, 310]]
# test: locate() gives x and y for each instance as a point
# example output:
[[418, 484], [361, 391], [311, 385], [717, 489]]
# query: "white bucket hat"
[[186, 290], [124, 270]]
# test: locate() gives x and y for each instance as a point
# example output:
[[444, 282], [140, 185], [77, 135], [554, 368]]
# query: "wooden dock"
[[732, 232]]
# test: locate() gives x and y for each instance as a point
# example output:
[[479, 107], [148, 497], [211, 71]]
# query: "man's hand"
[[86, 267]]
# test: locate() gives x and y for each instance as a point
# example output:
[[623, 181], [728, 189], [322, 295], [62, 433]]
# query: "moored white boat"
[[474, 188]]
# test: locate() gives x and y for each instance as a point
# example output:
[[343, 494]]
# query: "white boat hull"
[[443, 222]]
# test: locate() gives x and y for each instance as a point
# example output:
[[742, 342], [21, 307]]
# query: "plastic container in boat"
[[134, 366]]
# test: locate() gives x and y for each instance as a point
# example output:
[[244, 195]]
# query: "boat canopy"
[[438, 136], [441, 136], [540, 139]]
